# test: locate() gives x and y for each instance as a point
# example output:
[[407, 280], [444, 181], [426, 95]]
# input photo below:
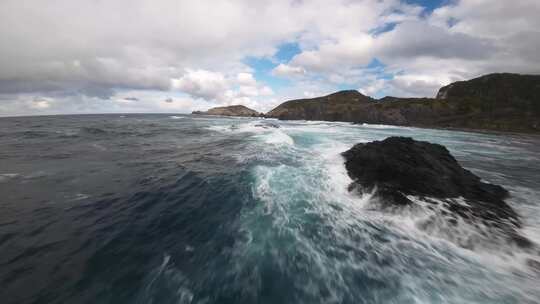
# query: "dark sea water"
[[180, 209]]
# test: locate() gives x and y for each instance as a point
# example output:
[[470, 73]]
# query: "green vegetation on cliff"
[[499, 102], [235, 110]]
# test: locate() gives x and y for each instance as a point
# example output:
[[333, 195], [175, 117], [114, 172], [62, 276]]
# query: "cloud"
[[286, 70], [330, 56], [245, 79], [41, 103], [462, 40], [373, 88], [421, 39], [201, 84], [86, 56], [414, 85], [90, 48], [219, 87]]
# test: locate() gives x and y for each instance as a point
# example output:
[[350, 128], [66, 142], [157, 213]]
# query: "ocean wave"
[[8, 176], [383, 127], [93, 131], [269, 134], [276, 137], [35, 134], [227, 210], [166, 281], [314, 197]]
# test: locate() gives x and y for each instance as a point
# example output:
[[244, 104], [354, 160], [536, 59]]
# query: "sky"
[[152, 56]]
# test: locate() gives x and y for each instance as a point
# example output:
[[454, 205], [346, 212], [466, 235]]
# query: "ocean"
[[162, 208]]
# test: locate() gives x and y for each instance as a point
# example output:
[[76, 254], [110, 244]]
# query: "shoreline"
[[470, 130]]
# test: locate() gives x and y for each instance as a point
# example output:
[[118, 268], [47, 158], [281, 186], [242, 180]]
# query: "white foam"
[[268, 135], [301, 189], [237, 128], [383, 127], [277, 137], [7, 176], [167, 274], [80, 196], [176, 117]]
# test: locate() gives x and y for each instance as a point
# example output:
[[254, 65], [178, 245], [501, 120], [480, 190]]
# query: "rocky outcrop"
[[500, 102], [236, 110], [398, 167]]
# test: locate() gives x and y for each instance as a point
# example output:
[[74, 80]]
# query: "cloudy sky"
[[99, 56]]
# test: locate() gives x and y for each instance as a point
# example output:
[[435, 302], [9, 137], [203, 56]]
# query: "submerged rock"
[[398, 167]]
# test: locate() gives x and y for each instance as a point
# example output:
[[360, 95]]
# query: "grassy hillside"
[[500, 102]]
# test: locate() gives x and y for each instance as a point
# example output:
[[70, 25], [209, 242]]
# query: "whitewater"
[[199, 209]]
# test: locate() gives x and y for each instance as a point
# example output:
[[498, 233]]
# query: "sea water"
[[199, 209]]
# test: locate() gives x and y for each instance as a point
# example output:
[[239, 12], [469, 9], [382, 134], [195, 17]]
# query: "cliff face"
[[499, 88], [340, 106], [500, 102], [236, 110]]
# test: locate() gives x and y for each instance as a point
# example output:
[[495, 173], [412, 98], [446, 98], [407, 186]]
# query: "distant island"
[[497, 102], [235, 110]]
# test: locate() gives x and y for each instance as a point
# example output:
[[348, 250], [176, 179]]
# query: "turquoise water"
[[195, 209]]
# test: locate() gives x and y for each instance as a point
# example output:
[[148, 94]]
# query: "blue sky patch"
[[263, 72], [387, 27], [430, 5], [287, 51]]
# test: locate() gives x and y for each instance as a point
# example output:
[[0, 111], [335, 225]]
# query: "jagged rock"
[[398, 167]]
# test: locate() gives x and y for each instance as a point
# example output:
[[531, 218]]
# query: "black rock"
[[400, 166]]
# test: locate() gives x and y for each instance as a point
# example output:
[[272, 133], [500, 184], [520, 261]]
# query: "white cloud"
[[353, 50], [81, 53], [373, 88], [221, 89], [456, 42], [421, 39], [201, 84], [41, 103], [246, 79], [411, 85], [288, 70]]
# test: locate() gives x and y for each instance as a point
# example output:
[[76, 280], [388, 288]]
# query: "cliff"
[[236, 110], [340, 106], [499, 102]]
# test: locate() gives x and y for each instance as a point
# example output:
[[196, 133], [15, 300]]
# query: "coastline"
[[468, 130]]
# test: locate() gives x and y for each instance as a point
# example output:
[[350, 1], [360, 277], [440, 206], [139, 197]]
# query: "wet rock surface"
[[398, 167]]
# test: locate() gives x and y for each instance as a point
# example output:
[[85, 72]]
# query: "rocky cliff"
[[236, 110], [500, 102], [340, 106]]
